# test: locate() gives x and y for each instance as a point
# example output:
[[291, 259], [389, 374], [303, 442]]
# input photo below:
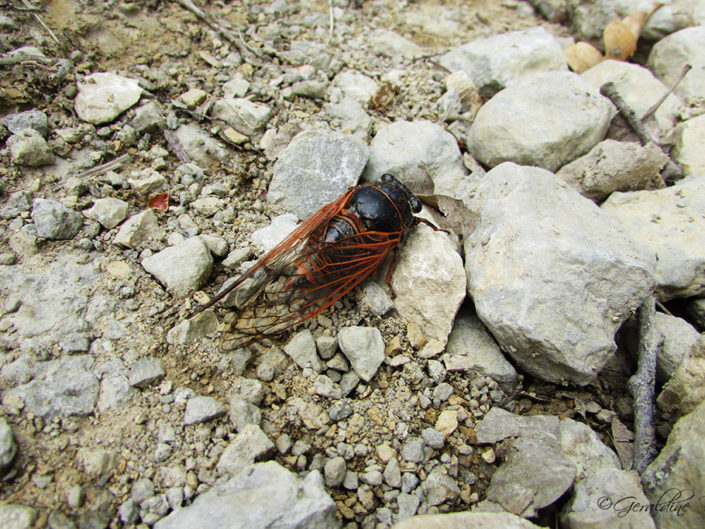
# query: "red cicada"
[[323, 259]]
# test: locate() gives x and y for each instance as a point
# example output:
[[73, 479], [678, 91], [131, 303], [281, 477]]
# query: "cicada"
[[322, 260]]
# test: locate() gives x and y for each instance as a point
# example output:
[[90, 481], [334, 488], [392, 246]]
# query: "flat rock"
[[679, 339], [687, 150], [539, 250], [194, 329], [391, 44], [615, 166], [352, 117], [364, 348], [201, 409], [439, 487], [103, 96], [140, 229], [200, 146], [14, 516], [241, 114], [354, 85], [671, 223], [29, 119], [315, 169], [146, 371], [483, 520], [601, 501], [471, 348], [519, 123], [28, 147], [268, 237], [183, 267], [429, 281], [493, 63], [675, 478], [668, 56], [640, 89], [262, 496], [53, 394], [53, 220], [247, 446], [302, 350], [405, 145], [686, 388], [109, 212]]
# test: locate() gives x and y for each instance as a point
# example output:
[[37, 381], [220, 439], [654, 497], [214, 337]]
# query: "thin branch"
[[658, 103], [641, 385], [671, 171], [39, 19], [104, 168]]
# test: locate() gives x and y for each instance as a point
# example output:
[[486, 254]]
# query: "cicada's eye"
[[415, 204]]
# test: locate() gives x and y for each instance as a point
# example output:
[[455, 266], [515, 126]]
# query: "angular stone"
[[364, 348], [146, 371], [139, 229], [53, 220], [243, 115], [28, 147], [109, 212], [354, 85], [201, 409], [183, 267], [248, 445], [200, 146], [302, 350], [688, 151], [104, 96], [686, 388], [8, 447], [13, 516]]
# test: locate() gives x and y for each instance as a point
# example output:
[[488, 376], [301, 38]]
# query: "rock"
[[541, 244], [146, 371], [610, 498], [325, 387], [217, 245], [268, 237], [640, 90], [471, 348], [315, 169], [439, 487], [679, 338], [354, 85], [302, 350], [447, 422], [200, 146], [391, 44], [28, 147], [484, 520], [376, 298], [202, 409], [686, 388], [668, 222], [115, 392], [262, 496], [334, 472], [194, 97], [425, 145], [109, 212], [364, 348], [243, 115], [583, 447], [148, 183], [493, 63], [392, 473], [247, 446], [243, 413], [30, 119], [182, 267], [433, 438], [53, 394], [615, 166], [208, 206], [668, 56], [53, 220], [8, 448], [139, 229], [194, 329], [499, 132], [236, 87], [148, 116], [429, 282], [352, 117], [302, 52], [104, 96], [687, 151], [673, 481], [412, 450], [13, 516]]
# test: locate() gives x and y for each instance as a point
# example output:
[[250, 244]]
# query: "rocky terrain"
[[151, 151]]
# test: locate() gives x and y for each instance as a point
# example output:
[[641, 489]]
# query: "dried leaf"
[[457, 217], [636, 21], [582, 56], [159, 202], [620, 41]]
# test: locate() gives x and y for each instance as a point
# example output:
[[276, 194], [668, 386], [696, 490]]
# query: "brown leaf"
[[620, 42], [582, 56], [457, 217], [159, 202]]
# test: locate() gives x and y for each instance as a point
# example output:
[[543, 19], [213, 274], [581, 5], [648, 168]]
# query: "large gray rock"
[[247, 446], [471, 348], [671, 223], [13, 516], [200, 146], [241, 114], [640, 90], [139, 229], [262, 496], [364, 348], [519, 123], [551, 275], [493, 63], [315, 169], [675, 480], [302, 350], [686, 388], [109, 212], [28, 147], [104, 96], [429, 281], [51, 393], [669, 55], [182, 267], [404, 145], [53, 220]]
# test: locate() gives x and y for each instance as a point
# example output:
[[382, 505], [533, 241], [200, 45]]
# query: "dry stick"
[[641, 386], [39, 19], [658, 103], [671, 171]]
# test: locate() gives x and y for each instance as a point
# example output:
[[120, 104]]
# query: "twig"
[[104, 168], [671, 171], [641, 386], [39, 19], [658, 103]]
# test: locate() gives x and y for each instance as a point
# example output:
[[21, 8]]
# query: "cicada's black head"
[[386, 206]]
